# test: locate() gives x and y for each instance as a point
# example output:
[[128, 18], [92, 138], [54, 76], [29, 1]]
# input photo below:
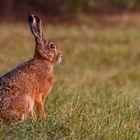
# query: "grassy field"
[[96, 94]]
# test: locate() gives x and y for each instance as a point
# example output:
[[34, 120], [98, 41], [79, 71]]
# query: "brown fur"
[[29, 84]]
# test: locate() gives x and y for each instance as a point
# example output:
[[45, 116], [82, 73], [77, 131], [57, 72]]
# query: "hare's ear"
[[35, 26]]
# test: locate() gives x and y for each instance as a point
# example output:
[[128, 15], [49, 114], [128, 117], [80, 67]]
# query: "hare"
[[30, 83]]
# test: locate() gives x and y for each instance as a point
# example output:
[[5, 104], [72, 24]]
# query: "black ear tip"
[[30, 18]]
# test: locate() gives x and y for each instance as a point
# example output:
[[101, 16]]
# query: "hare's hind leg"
[[11, 116], [22, 106]]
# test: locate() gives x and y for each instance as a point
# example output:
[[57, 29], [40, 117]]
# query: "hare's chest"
[[46, 84]]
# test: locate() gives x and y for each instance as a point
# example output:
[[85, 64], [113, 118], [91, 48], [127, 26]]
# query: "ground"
[[96, 93]]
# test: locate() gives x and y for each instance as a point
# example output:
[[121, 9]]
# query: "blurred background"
[[69, 9], [97, 85]]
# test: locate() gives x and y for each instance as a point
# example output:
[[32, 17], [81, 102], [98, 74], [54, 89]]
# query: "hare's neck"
[[48, 69], [43, 64], [36, 54]]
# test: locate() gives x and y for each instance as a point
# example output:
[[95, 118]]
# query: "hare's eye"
[[52, 46]]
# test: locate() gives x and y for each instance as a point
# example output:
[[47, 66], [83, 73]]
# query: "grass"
[[96, 94]]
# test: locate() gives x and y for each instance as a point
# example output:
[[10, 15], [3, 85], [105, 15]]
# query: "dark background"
[[64, 9]]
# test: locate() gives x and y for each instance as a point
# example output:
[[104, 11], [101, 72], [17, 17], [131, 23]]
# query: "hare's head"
[[44, 48]]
